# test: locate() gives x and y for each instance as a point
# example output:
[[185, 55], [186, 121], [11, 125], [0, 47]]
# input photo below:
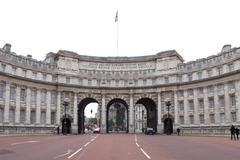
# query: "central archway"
[[81, 117], [117, 116], [151, 114]]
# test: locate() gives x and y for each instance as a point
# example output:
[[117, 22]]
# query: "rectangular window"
[[220, 70], [67, 80], [43, 96], [24, 73], [43, 118], [22, 116], [234, 116], [12, 93], [220, 87], [191, 119], [166, 79], [179, 78], [44, 77], [1, 91], [14, 69], [190, 92], [201, 118], [181, 105], [209, 72], [1, 115], [201, 103], [23, 95], [222, 117], [212, 118], [230, 67], [232, 100], [33, 96], [191, 105], [231, 85], [200, 91], [211, 102], [180, 94], [11, 116], [3, 67], [53, 117], [221, 101], [34, 75], [199, 75], [181, 119], [32, 117], [189, 77], [210, 89]]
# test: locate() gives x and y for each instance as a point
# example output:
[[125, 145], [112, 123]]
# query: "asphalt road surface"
[[118, 147]]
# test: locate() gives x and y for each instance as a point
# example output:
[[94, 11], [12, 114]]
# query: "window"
[[1, 90], [210, 89], [43, 96], [220, 70], [34, 75], [22, 116], [211, 102], [181, 106], [3, 67], [32, 117], [33, 96], [11, 116], [221, 101], [53, 98], [166, 79], [180, 94], [222, 117], [200, 91], [1, 115], [199, 74], [220, 87], [191, 119], [232, 100], [209, 72], [212, 118], [67, 80], [201, 103], [14, 69], [201, 118], [44, 77], [231, 85], [181, 119], [53, 117], [24, 73], [230, 67], [43, 118], [23, 95], [234, 116], [191, 105], [189, 77], [179, 78], [12, 93], [190, 92]]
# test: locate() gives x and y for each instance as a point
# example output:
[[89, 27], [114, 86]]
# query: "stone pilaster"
[[159, 113], [103, 115], [206, 106], [216, 103], [75, 109], [227, 104], [28, 106], [48, 112], [196, 107], [17, 110], [186, 108], [6, 108], [176, 116], [38, 109], [131, 116], [238, 100], [58, 108]]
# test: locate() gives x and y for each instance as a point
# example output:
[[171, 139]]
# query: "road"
[[118, 147]]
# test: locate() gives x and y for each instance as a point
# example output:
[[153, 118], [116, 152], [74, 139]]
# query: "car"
[[96, 130], [149, 131]]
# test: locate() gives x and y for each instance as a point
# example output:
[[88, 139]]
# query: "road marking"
[[74, 153], [92, 140], [85, 145], [145, 154], [25, 142], [62, 155], [137, 144]]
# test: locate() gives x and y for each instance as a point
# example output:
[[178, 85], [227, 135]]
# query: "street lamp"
[[168, 104], [65, 104], [142, 119]]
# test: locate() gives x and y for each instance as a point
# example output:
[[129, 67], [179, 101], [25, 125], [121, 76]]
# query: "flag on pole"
[[116, 17]]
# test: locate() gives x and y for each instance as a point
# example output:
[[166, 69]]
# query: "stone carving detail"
[[67, 65]]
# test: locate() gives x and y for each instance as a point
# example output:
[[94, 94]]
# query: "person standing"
[[232, 130], [178, 131], [237, 133]]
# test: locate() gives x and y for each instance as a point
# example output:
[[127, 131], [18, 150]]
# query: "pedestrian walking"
[[58, 129], [178, 131], [237, 133], [232, 130]]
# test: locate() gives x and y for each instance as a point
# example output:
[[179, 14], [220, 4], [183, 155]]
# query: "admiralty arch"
[[204, 95]]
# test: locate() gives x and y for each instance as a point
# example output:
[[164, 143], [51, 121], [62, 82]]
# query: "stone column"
[[227, 104], [238, 100], [131, 116], [206, 106], [28, 106], [58, 108], [176, 116], [216, 104], [103, 115], [38, 109], [186, 108], [159, 113], [48, 112], [75, 115], [6, 108], [17, 110], [196, 107]]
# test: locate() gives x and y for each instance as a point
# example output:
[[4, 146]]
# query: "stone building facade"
[[204, 94]]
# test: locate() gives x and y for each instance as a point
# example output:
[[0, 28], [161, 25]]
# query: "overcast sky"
[[195, 29]]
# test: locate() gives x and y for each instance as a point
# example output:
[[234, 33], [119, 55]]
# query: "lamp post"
[[65, 104], [168, 104], [142, 119]]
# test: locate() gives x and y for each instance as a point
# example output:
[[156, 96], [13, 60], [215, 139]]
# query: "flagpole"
[[117, 38]]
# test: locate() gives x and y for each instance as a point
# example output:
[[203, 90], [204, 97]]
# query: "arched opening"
[[66, 125], [168, 124], [117, 116], [147, 115], [88, 115]]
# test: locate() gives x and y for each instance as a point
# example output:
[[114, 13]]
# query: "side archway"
[[168, 120], [117, 116], [151, 110], [81, 117]]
